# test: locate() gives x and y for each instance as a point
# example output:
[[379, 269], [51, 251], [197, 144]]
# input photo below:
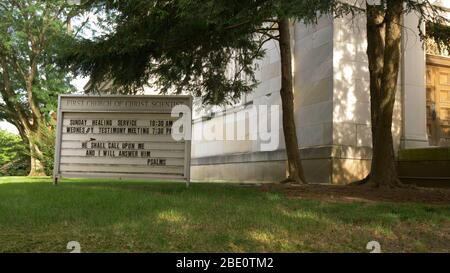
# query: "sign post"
[[123, 137]]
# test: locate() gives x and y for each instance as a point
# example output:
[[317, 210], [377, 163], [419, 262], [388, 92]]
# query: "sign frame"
[[58, 175]]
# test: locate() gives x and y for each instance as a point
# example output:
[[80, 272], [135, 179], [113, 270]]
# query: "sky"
[[8, 127]]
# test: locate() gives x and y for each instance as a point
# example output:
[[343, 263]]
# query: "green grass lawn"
[[126, 216]]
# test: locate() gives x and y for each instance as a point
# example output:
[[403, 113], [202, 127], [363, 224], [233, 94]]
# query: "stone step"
[[425, 166], [426, 182]]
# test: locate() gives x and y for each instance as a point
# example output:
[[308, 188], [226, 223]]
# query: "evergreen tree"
[[206, 48], [188, 46]]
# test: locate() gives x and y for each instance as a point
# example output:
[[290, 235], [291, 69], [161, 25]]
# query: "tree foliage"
[[14, 155], [209, 48], [206, 48], [31, 36], [45, 141]]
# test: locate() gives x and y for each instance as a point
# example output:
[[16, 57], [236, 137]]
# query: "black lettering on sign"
[[112, 130], [145, 153], [158, 131], [139, 131], [90, 152], [156, 162], [128, 146], [128, 154], [78, 122], [75, 102], [127, 123], [101, 122], [158, 123], [109, 153], [97, 145], [76, 130], [113, 145]]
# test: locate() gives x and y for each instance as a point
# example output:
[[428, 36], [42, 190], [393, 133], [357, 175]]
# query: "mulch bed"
[[340, 193]]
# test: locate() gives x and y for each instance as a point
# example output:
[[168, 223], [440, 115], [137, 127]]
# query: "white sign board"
[[123, 137]]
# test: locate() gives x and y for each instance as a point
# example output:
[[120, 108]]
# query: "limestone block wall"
[[210, 131], [313, 89], [241, 159], [414, 86], [351, 103], [313, 84], [332, 108], [313, 79], [351, 107]]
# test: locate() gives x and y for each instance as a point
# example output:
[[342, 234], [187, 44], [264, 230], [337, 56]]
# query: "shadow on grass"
[[167, 216]]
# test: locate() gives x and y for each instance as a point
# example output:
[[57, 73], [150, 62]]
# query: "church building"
[[332, 108]]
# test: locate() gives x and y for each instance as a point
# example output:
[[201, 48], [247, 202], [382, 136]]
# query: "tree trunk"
[[383, 50], [287, 101], [37, 167]]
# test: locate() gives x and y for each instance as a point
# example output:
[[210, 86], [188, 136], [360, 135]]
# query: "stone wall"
[[332, 108]]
